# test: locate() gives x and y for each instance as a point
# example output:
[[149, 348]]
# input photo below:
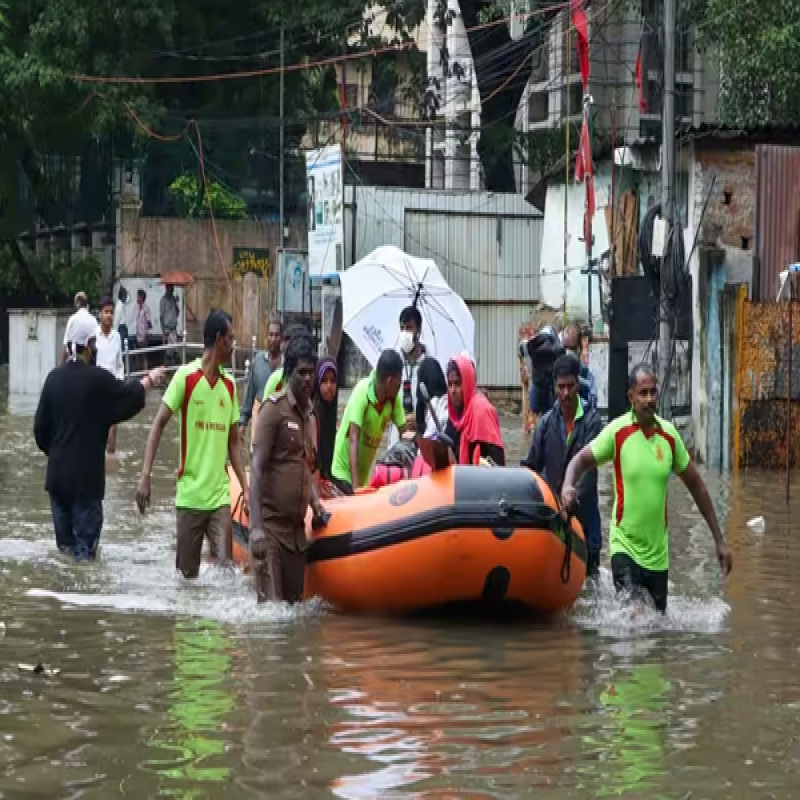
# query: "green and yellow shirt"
[[362, 409], [206, 412], [642, 466]]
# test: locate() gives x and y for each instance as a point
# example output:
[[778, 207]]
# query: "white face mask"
[[406, 341]]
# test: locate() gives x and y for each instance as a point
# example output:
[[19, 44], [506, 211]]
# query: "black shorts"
[[630, 577]]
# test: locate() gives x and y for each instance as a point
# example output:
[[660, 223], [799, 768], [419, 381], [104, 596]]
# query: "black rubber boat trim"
[[344, 545], [435, 521], [429, 523]]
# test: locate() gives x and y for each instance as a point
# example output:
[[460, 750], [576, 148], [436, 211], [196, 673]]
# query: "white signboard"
[[293, 290], [325, 211]]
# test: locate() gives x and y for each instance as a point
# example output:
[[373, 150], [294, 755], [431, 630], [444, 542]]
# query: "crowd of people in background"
[[301, 457]]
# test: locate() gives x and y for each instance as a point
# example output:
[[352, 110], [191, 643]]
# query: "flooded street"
[[172, 690]]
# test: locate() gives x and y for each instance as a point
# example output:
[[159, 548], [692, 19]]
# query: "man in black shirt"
[[79, 403]]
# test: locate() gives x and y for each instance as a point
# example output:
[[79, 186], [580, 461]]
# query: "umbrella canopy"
[[177, 278], [381, 285]]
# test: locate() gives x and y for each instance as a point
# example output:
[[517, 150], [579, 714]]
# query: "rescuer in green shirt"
[[645, 451]]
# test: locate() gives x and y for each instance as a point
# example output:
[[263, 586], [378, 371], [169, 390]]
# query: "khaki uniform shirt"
[[288, 434]]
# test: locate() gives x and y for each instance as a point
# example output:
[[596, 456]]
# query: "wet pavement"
[[191, 691]]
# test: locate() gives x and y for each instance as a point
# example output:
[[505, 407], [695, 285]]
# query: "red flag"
[[584, 172], [582, 31], [588, 214], [638, 79], [583, 161]]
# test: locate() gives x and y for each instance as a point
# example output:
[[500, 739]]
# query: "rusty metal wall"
[[763, 371], [777, 214]]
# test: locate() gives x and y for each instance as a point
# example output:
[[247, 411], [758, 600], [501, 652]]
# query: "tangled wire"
[[676, 275]]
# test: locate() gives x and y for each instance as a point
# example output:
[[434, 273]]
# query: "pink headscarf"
[[478, 421]]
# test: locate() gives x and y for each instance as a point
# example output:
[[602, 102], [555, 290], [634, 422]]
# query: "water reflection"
[[430, 715], [635, 705], [194, 691], [199, 703]]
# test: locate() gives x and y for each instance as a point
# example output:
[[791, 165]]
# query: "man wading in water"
[[79, 403], [203, 394], [645, 450], [281, 487], [565, 429]]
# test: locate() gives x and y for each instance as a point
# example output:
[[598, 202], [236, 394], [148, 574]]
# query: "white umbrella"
[[376, 289]]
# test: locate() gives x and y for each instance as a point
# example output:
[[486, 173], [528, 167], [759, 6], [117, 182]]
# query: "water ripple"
[[177, 690]]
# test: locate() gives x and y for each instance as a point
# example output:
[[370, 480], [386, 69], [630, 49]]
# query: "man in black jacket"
[[561, 433], [79, 403]]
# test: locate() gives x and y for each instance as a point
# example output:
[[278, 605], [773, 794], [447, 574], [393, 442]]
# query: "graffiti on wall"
[[764, 374]]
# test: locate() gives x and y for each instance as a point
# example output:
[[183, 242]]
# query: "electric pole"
[[280, 168], [667, 204]]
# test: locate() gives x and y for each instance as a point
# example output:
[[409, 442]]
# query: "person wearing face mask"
[[571, 342], [78, 405], [413, 352]]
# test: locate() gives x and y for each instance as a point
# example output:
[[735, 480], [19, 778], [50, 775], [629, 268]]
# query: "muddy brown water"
[[169, 690]]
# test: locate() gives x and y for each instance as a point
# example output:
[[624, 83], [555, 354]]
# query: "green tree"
[[758, 45], [194, 197]]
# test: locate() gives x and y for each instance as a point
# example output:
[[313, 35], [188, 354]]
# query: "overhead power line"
[[297, 67]]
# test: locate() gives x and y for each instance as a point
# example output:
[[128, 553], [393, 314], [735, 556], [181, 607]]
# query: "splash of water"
[[600, 608]]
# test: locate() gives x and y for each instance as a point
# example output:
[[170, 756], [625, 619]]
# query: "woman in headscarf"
[[326, 405], [475, 425]]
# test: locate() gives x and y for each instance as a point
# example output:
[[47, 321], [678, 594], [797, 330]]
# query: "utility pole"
[[667, 202], [280, 168]]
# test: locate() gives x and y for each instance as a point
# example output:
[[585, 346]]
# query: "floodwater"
[[191, 691]]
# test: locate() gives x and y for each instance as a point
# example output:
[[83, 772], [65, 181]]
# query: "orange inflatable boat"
[[485, 536]]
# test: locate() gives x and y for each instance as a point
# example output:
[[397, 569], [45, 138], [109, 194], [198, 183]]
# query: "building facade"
[[554, 94]]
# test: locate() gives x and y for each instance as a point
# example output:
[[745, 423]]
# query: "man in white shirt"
[[120, 323], [413, 352], [81, 303], [109, 356]]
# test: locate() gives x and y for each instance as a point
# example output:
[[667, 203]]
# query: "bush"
[[192, 199]]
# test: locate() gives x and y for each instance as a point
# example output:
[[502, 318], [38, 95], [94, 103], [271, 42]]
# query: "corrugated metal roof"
[[761, 128], [777, 214]]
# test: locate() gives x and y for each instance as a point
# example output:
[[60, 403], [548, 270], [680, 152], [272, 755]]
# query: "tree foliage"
[[198, 200], [50, 120], [758, 45]]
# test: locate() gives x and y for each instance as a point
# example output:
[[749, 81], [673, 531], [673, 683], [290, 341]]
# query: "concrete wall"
[[153, 245], [560, 287], [36, 339], [150, 246], [725, 176]]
